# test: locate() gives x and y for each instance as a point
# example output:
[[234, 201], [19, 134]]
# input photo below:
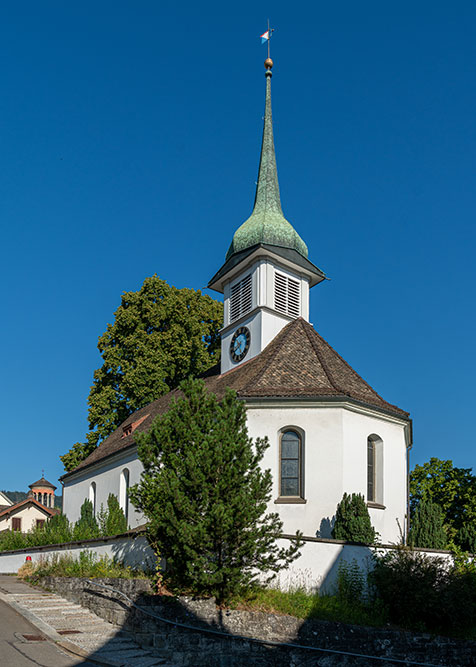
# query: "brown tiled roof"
[[298, 363], [14, 508], [42, 482]]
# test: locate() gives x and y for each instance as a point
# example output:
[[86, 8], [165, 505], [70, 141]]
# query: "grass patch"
[[301, 604], [87, 565]]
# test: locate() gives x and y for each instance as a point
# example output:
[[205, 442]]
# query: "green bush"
[[86, 527], [466, 538], [116, 521], [58, 529], [423, 593], [426, 527], [87, 565], [353, 520], [350, 581]]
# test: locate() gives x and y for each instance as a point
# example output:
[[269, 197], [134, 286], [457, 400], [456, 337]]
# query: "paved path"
[[22, 645], [74, 629]]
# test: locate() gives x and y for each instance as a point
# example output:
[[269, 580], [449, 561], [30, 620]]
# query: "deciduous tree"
[[453, 489], [160, 336]]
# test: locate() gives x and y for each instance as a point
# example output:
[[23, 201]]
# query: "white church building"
[[329, 431]]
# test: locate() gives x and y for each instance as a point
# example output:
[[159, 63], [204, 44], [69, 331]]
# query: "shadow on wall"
[[326, 527], [135, 553], [201, 642]]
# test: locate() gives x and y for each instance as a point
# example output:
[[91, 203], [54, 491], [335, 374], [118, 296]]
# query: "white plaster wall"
[[335, 460], [263, 321], [28, 516], [107, 478], [357, 428], [315, 569], [322, 452], [134, 552]]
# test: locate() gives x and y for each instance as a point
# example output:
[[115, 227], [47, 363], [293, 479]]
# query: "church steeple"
[[266, 276], [267, 223]]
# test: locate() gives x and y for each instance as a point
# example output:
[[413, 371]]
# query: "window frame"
[[124, 486], [291, 499], [377, 501]]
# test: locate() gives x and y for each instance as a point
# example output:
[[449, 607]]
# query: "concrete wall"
[[133, 551], [315, 569]]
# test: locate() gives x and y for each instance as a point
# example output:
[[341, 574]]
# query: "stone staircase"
[[82, 632]]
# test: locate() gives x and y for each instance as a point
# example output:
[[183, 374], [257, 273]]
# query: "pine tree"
[[352, 521], [205, 495], [426, 528]]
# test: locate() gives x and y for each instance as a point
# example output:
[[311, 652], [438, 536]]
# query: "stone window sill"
[[375, 506], [290, 500]]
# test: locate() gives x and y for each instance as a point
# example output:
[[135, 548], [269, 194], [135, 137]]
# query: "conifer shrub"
[[205, 496], [112, 521], [352, 521], [466, 538], [426, 528], [86, 527]]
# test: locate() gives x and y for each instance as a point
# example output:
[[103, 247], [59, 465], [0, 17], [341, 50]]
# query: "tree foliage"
[[453, 489], [86, 527], [353, 520], [426, 528], [425, 593], [466, 538], [205, 495], [161, 335], [112, 521]]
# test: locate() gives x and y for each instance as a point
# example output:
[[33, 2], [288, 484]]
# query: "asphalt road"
[[16, 651]]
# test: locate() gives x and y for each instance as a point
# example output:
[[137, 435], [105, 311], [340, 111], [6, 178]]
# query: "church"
[[329, 431]]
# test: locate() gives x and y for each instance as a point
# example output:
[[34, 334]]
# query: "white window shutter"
[[287, 295], [240, 298]]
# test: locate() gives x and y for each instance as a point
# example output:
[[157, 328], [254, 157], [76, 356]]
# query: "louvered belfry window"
[[240, 298], [287, 295]]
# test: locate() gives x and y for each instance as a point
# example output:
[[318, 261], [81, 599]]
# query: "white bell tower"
[[266, 276]]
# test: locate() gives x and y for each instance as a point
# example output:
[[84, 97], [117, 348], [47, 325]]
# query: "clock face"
[[240, 344]]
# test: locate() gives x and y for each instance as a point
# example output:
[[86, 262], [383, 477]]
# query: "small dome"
[[269, 227]]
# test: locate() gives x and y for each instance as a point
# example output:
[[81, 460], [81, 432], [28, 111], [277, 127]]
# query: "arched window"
[[370, 470], [375, 469], [124, 493], [290, 464], [92, 496]]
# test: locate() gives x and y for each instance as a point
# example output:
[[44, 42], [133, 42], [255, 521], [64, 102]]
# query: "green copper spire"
[[267, 223]]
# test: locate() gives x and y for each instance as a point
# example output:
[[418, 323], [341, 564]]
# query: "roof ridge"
[[355, 373], [284, 336], [321, 360]]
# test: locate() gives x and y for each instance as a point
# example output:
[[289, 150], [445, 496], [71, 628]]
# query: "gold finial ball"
[[268, 63]]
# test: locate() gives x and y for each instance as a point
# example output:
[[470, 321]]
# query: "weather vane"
[[266, 37]]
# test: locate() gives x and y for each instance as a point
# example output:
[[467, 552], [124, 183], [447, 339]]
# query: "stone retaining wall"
[[184, 645]]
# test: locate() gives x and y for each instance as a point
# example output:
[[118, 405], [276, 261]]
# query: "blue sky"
[[130, 145]]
